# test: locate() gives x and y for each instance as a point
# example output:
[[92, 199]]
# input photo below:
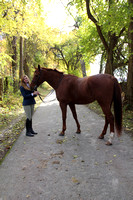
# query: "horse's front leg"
[[72, 107], [63, 107]]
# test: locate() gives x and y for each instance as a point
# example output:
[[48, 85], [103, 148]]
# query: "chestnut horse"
[[71, 90]]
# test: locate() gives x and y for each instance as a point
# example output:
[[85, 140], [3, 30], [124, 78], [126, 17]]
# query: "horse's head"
[[37, 79]]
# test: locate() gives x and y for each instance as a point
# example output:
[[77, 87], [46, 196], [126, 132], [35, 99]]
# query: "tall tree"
[[109, 38], [111, 23], [130, 65], [21, 58], [14, 63]]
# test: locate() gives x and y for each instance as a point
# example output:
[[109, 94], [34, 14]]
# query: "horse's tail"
[[117, 107]]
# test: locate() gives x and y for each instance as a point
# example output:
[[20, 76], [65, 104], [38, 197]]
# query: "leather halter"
[[35, 88]]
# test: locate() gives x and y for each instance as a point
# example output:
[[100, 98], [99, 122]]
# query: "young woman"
[[28, 103]]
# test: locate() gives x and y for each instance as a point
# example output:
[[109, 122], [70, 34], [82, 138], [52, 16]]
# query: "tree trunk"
[[21, 58], [101, 63], [1, 89], [130, 65], [14, 63], [25, 67], [5, 85], [113, 39], [109, 63], [83, 68]]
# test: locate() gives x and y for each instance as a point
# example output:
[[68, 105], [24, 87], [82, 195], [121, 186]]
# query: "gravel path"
[[74, 167]]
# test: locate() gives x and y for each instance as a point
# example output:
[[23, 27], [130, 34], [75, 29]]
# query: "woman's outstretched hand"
[[36, 93]]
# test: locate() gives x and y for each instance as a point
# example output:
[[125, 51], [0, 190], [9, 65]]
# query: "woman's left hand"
[[36, 93]]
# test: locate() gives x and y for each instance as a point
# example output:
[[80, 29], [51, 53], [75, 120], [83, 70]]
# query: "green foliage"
[[113, 15], [26, 19], [4, 60], [113, 18], [19, 17], [68, 54], [88, 35], [9, 108]]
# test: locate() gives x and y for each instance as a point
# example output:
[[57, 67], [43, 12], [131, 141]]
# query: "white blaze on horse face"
[[111, 137]]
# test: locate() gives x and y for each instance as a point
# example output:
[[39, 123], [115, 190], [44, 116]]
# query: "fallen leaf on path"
[[24, 168], [75, 156], [28, 196], [59, 141], [59, 154], [108, 162], [43, 164], [56, 162], [74, 180]]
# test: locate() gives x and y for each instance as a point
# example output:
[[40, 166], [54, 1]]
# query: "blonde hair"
[[23, 83]]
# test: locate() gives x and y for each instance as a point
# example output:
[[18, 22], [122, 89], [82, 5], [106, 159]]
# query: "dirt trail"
[[74, 167]]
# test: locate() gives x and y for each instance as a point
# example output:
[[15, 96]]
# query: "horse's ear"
[[39, 67]]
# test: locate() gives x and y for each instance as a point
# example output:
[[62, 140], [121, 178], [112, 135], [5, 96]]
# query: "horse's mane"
[[54, 70]]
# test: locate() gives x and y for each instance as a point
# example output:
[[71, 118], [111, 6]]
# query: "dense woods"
[[101, 27]]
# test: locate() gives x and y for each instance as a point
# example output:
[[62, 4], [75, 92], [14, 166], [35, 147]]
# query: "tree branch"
[[92, 18]]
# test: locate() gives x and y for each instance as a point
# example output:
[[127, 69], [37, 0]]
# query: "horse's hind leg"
[[101, 136], [111, 122], [109, 119], [64, 110], [73, 109]]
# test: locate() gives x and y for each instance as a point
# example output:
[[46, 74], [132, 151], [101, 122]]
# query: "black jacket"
[[28, 99]]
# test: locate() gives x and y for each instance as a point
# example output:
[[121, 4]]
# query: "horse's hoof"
[[108, 143], [61, 134], [101, 137], [78, 132]]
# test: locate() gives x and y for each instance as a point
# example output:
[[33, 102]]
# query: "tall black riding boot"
[[28, 131], [31, 129]]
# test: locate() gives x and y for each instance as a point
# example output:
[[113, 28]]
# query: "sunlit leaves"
[[20, 17], [114, 16]]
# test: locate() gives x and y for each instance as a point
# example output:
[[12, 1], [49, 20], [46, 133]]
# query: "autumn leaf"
[[74, 180], [75, 156]]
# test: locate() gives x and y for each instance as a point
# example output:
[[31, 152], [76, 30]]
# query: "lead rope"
[[50, 93]]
